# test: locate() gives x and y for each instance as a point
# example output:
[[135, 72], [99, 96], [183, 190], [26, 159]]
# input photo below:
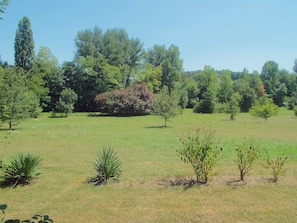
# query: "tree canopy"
[[111, 63], [24, 45]]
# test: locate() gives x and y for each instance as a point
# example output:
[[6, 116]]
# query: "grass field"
[[69, 146]]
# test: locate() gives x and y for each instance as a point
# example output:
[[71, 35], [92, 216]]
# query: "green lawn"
[[69, 146]]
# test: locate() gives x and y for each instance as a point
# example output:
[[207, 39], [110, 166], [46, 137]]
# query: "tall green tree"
[[156, 55], [295, 66], [248, 94], [84, 44], [207, 80], [170, 61], [151, 76], [47, 79], [191, 86], [290, 81], [114, 47], [232, 107], [172, 67], [16, 98], [24, 45], [225, 87], [270, 76]]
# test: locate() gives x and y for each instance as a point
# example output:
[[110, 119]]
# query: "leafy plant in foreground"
[[35, 219], [247, 153], [108, 168], [21, 170], [200, 150], [276, 165]]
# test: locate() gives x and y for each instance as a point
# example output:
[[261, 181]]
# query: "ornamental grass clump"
[[108, 168], [21, 170]]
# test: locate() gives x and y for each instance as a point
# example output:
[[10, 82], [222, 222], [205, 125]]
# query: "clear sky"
[[225, 34]]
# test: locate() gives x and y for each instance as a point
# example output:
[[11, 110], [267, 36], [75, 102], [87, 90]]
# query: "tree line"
[[107, 62]]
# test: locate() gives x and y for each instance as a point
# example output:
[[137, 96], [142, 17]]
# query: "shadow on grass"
[[158, 127], [234, 183], [57, 116], [186, 183]]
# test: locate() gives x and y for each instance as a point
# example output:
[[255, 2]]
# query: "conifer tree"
[[24, 45]]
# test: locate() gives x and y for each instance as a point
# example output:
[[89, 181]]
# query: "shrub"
[[247, 153], [134, 100], [264, 109], [166, 104], [276, 165], [200, 150], [108, 168], [21, 170], [207, 104]]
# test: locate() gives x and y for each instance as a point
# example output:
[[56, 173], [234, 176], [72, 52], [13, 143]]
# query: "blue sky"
[[225, 34]]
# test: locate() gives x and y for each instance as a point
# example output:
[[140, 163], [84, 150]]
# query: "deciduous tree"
[[225, 87], [270, 76], [166, 104], [233, 105], [170, 61], [15, 97], [264, 108], [207, 80]]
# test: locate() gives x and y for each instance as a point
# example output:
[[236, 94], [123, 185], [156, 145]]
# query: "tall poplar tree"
[[24, 45]]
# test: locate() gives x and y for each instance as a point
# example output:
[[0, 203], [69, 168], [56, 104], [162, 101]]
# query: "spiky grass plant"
[[21, 170], [108, 168]]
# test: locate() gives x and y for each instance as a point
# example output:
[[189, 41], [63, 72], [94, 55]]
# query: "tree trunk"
[[241, 175], [10, 125]]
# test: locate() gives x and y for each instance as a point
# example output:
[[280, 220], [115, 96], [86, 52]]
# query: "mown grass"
[[69, 146]]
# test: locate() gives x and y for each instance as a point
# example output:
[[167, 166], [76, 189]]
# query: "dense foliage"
[[134, 100], [17, 101], [264, 108], [24, 45], [107, 62], [200, 150], [66, 101]]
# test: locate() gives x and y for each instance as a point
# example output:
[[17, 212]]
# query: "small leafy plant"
[[276, 165], [35, 219], [247, 153], [200, 150], [108, 168], [21, 170]]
